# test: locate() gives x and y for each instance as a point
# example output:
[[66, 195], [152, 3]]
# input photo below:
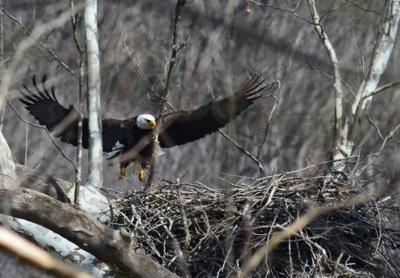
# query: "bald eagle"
[[131, 139]]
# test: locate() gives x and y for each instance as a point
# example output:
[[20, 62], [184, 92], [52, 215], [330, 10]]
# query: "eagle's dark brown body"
[[177, 128]]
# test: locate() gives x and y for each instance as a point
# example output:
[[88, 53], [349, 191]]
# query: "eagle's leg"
[[122, 172], [141, 174]]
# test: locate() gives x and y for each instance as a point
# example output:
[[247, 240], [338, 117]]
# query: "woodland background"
[[224, 44], [225, 41]]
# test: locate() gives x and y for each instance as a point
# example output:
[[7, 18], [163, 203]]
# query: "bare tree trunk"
[[347, 128], [382, 52], [81, 52], [93, 200], [7, 166], [78, 169], [94, 103], [339, 133]]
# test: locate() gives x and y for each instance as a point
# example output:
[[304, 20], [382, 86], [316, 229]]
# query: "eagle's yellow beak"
[[152, 123]]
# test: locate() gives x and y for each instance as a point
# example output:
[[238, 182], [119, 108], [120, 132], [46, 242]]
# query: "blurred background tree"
[[224, 41]]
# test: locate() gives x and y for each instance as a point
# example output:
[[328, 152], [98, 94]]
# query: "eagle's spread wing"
[[63, 122], [186, 126], [45, 108]]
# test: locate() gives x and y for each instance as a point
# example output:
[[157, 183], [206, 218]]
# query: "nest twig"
[[202, 232]]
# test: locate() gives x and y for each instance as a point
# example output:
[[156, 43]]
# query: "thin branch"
[[178, 252], [141, 74], [78, 168], [24, 45], [284, 8], [243, 150], [185, 221], [310, 167], [172, 63], [267, 125], [74, 23], [382, 88], [310, 216], [365, 9], [376, 127], [339, 132], [38, 42], [81, 52], [46, 130], [387, 138], [377, 154], [137, 67]]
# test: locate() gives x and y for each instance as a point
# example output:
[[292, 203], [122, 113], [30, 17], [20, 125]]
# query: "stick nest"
[[203, 232]]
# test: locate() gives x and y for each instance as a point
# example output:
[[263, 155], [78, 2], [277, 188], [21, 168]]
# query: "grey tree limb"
[[347, 128], [339, 133], [29, 178], [25, 249], [81, 52], [110, 246], [7, 166], [382, 52], [93, 96]]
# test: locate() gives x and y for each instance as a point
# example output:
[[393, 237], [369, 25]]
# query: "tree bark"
[[94, 103], [382, 51], [7, 166], [339, 133], [110, 246], [347, 128]]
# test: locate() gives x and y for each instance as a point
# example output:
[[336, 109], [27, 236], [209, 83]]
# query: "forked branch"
[[172, 63]]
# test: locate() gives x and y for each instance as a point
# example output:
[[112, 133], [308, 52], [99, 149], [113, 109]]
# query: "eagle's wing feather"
[[43, 107], [186, 126], [177, 128], [117, 131], [46, 109]]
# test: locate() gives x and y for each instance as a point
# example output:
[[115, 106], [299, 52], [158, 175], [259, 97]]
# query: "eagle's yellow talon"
[[122, 172], [141, 175]]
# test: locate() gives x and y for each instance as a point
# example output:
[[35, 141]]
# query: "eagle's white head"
[[146, 121]]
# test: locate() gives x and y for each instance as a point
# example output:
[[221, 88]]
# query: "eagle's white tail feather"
[[114, 152]]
